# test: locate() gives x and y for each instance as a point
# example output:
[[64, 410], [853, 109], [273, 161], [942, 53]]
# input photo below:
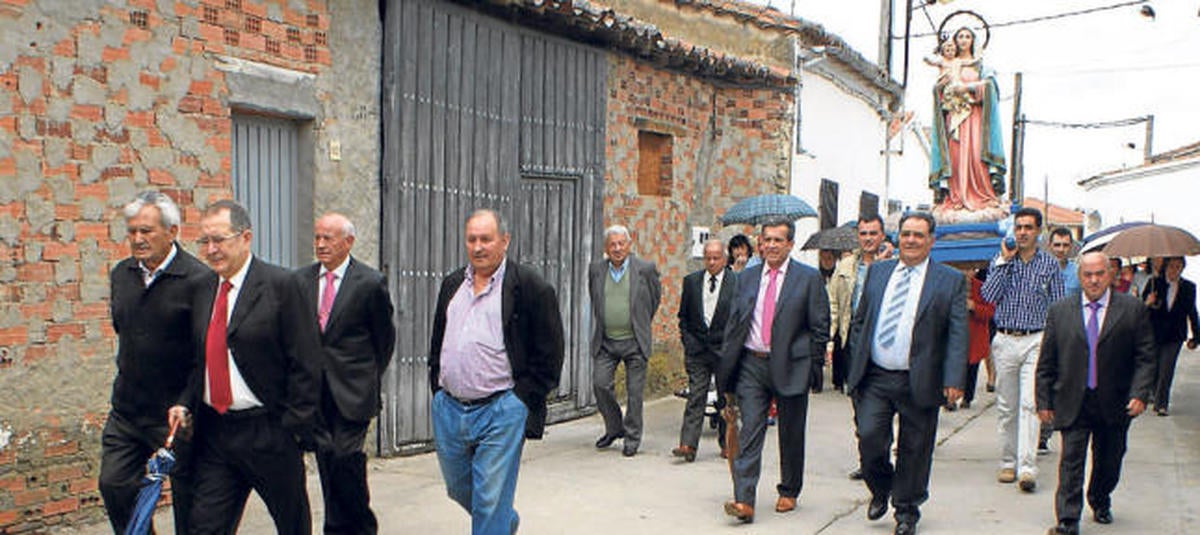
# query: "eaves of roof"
[[1186, 156], [810, 33], [583, 21]]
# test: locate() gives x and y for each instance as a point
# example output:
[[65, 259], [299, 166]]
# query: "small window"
[[654, 163]]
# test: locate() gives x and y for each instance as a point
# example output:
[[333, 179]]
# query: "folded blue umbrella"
[[158, 468]]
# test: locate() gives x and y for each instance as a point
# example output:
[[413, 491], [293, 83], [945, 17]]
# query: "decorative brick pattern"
[[95, 106], [728, 143]]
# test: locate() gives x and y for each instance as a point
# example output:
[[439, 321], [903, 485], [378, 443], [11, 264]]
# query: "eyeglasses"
[[216, 240]]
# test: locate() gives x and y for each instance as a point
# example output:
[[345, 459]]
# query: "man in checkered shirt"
[[1022, 283]]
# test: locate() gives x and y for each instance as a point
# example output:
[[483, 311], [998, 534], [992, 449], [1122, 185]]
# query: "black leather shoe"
[[856, 475], [629, 451], [607, 440], [877, 507], [1064, 528], [1102, 516], [905, 527]]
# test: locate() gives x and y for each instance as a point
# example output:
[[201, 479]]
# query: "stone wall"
[[727, 143], [98, 100]]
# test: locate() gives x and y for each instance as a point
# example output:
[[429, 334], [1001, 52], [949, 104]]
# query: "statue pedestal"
[[967, 236]]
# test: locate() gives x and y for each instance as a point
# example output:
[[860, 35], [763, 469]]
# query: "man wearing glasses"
[[255, 390]]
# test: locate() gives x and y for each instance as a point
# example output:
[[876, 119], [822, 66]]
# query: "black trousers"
[[1108, 450], [883, 394], [972, 381], [125, 447], [343, 468], [838, 368], [700, 370], [1168, 355], [242, 451]]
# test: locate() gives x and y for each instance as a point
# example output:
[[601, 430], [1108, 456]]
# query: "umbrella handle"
[[171, 436]]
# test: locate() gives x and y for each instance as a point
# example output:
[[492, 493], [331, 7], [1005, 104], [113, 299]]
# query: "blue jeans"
[[479, 451]]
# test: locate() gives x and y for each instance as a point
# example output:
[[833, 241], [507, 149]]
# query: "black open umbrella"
[[843, 238]]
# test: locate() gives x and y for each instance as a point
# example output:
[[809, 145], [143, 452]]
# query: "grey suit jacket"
[[645, 292], [938, 355], [798, 334], [1125, 359]]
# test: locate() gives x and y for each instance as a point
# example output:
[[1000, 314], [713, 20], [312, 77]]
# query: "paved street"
[[567, 487]]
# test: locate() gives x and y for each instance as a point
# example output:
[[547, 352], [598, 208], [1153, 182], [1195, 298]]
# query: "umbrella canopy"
[[1153, 240], [755, 210], [158, 468], [1100, 238], [843, 238]]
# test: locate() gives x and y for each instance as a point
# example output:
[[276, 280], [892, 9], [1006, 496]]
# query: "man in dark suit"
[[1172, 303], [703, 309], [625, 292], [909, 357], [778, 323], [1094, 374], [256, 388], [349, 303], [151, 310], [495, 354]]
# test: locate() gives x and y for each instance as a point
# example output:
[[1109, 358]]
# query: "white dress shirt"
[[754, 341], [710, 296], [896, 356], [243, 397]]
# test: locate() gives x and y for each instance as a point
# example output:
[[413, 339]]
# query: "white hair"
[[617, 229], [167, 211]]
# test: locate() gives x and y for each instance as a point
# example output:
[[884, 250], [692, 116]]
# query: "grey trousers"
[[754, 394], [604, 368]]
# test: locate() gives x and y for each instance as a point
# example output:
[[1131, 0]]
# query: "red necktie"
[[216, 353], [769, 308], [326, 300]]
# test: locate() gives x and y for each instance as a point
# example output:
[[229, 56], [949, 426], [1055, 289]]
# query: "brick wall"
[[727, 143], [98, 100]]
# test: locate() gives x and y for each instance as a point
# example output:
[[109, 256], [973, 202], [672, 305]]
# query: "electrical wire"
[[1045, 17], [1102, 124]]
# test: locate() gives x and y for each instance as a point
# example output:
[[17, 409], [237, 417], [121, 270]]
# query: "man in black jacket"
[[495, 354], [703, 309], [349, 303], [152, 316]]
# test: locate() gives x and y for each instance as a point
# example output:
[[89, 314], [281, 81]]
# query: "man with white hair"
[[625, 292], [151, 310]]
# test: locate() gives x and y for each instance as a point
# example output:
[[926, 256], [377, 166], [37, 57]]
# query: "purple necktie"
[[1093, 334]]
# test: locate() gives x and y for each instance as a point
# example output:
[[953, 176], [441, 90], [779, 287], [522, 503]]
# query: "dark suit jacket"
[[154, 336], [358, 338], [798, 334], [1171, 326], [645, 291], [533, 337], [274, 344], [937, 357], [1125, 359], [700, 340]]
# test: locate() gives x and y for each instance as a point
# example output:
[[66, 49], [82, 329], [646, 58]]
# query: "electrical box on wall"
[[699, 236]]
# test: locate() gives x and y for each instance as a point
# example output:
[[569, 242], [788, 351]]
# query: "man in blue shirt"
[[1060, 243], [1022, 283]]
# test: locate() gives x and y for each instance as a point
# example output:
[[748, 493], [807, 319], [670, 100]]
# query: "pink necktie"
[[326, 300], [769, 308]]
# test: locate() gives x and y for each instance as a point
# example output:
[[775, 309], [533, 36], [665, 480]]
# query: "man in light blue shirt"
[[1060, 244]]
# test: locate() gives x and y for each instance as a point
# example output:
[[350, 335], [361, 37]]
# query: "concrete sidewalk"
[[568, 487]]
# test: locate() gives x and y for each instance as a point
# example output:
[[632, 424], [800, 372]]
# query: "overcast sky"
[[1102, 66]]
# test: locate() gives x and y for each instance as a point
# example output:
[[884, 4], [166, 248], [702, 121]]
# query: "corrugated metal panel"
[[264, 179], [458, 121]]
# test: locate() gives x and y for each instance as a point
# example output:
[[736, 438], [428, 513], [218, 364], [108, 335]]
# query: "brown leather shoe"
[[724, 453], [785, 504], [743, 512], [687, 452]]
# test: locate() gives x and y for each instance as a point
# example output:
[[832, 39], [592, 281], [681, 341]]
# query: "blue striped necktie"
[[895, 308]]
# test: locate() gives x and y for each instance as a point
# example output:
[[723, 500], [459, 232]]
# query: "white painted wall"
[[1167, 195], [843, 139]]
